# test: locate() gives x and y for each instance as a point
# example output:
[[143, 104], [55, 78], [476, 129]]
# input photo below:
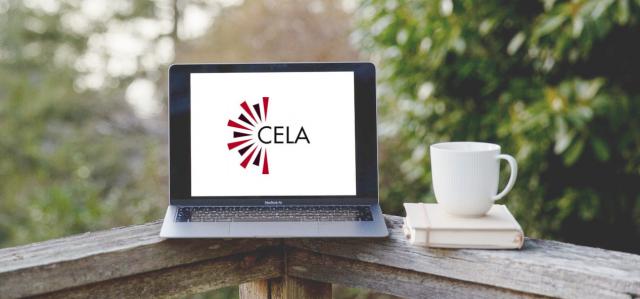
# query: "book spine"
[[427, 232]]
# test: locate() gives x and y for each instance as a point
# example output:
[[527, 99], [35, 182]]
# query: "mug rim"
[[485, 146]]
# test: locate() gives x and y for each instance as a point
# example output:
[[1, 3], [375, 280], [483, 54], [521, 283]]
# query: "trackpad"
[[273, 229]]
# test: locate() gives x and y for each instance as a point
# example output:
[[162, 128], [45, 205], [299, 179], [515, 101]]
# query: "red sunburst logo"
[[244, 131]]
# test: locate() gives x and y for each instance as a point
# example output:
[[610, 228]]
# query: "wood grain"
[[389, 280], [294, 287], [545, 268], [135, 262], [285, 287], [92, 257], [184, 280], [257, 289]]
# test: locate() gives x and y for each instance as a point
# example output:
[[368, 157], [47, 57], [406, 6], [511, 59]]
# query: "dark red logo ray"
[[244, 132]]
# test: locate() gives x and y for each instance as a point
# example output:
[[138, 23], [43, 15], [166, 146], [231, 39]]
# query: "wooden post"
[[286, 287], [258, 289]]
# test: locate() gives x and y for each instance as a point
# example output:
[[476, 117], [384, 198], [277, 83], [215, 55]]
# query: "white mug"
[[465, 176]]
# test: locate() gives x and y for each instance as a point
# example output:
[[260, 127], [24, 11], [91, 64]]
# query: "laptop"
[[273, 150]]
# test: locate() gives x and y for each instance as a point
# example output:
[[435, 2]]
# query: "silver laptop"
[[273, 151]]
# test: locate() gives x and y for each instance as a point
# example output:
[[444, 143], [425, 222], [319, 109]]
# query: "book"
[[430, 225]]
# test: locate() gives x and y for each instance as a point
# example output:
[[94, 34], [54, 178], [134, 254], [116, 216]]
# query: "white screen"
[[321, 162]]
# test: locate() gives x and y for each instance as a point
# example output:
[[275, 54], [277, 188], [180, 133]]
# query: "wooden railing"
[[134, 262]]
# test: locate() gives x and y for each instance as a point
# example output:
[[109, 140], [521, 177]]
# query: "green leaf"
[[622, 15], [600, 148], [578, 25], [515, 43], [550, 24], [548, 4], [588, 205], [563, 136], [600, 8], [573, 153]]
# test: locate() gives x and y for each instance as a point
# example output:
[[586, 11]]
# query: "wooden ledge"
[[134, 262], [547, 268]]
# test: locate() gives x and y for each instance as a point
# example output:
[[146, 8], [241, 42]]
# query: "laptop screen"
[[273, 134]]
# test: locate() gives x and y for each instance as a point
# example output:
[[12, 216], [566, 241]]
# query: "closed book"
[[428, 224]]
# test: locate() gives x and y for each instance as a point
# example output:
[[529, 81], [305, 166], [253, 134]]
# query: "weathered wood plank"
[[542, 267], [384, 279], [184, 280], [293, 287], [285, 287], [92, 257], [257, 289], [105, 261]]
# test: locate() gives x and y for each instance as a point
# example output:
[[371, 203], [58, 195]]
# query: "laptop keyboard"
[[274, 214]]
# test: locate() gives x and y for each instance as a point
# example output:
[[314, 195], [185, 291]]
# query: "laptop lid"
[[283, 133]]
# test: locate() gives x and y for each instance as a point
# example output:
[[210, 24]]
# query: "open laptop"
[[273, 150]]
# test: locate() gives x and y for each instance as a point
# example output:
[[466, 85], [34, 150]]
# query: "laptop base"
[[274, 229]]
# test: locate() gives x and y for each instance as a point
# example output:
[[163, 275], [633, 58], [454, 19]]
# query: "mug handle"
[[512, 177]]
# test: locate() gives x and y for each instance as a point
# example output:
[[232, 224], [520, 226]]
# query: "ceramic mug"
[[465, 176]]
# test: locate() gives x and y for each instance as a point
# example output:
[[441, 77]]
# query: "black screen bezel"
[[180, 133]]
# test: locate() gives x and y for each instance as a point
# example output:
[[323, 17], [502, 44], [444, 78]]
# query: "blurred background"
[[556, 83]]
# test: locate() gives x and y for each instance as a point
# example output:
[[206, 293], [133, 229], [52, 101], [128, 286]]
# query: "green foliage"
[[554, 82], [70, 159]]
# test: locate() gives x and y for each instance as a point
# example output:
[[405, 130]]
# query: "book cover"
[[428, 224]]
